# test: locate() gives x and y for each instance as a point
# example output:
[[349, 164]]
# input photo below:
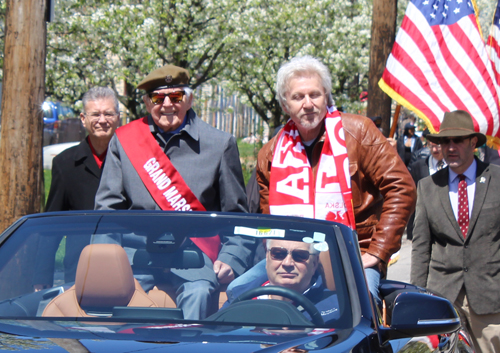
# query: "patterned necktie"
[[463, 205], [440, 165]]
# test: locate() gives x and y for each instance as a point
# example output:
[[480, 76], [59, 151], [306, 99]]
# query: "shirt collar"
[[189, 125], [434, 162], [470, 173]]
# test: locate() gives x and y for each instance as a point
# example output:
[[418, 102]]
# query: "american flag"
[[439, 64], [493, 45]]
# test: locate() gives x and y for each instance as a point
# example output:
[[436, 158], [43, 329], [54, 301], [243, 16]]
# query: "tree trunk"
[[383, 35], [21, 172]]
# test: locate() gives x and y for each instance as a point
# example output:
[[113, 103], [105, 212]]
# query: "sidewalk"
[[400, 264]]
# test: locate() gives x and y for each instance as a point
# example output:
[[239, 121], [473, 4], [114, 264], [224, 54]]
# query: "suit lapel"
[[441, 179], [84, 154], [482, 182]]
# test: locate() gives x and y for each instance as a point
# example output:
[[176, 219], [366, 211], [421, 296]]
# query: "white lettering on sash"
[[170, 192], [162, 181], [283, 186], [151, 165], [179, 204], [156, 174], [173, 199]]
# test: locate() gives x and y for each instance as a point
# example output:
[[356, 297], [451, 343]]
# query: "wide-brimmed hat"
[[456, 124], [168, 76]]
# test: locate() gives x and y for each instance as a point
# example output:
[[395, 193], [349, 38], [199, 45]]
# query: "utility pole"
[[382, 40], [23, 90]]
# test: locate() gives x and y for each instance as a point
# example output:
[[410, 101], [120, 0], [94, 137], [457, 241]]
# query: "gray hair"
[[97, 93], [189, 92], [312, 250], [300, 67]]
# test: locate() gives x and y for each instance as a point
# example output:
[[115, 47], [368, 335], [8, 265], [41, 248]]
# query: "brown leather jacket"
[[383, 190]]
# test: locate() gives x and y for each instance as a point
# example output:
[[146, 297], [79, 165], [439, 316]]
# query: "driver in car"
[[293, 265]]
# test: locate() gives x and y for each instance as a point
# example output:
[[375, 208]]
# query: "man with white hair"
[[172, 160], [335, 166]]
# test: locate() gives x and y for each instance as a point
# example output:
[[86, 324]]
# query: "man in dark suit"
[[75, 177], [423, 168], [456, 238]]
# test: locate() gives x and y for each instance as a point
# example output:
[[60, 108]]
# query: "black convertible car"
[[99, 281]]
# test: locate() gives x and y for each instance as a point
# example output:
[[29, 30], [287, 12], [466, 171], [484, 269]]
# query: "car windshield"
[[128, 266]]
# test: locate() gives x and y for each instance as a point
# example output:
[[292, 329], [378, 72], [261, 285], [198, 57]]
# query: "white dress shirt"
[[433, 165]]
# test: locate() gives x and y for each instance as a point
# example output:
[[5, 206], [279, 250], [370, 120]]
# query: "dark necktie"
[[440, 165], [463, 205]]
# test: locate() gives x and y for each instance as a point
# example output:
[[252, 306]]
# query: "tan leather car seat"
[[326, 262], [103, 280], [162, 298]]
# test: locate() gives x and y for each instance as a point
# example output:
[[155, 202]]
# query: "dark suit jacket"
[[400, 146], [75, 179], [418, 171], [442, 260]]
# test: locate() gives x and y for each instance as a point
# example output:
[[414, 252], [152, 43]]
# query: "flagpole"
[[395, 121]]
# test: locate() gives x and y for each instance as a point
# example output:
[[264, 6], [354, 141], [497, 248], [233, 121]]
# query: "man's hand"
[[369, 260], [223, 271], [393, 142]]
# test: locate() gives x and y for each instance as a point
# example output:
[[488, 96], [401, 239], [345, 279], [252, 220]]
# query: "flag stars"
[[457, 10]]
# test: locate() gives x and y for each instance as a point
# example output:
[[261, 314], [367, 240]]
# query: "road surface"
[[400, 269]]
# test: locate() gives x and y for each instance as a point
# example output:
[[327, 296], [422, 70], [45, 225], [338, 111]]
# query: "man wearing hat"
[[456, 238], [172, 160]]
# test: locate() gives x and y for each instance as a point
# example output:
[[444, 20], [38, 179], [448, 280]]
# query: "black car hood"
[[76, 336]]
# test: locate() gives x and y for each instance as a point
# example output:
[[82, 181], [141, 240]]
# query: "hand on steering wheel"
[[296, 297]]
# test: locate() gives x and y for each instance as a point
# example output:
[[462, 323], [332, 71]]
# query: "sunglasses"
[[279, 254], [175, 97], [455, 140]]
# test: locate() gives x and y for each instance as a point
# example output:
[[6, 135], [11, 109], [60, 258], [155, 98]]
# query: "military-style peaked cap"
[[168, 76]]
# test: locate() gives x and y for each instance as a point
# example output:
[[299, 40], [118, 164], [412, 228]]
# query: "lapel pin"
[[482, 180]]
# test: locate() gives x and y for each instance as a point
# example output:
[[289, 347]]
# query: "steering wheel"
[[287, 293]]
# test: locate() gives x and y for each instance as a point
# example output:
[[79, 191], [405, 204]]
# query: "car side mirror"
[[421, 314]]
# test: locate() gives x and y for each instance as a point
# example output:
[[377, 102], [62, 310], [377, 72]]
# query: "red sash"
[[292, 188], [163, 181]]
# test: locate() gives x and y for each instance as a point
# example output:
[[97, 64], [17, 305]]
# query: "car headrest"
[[104, 277]]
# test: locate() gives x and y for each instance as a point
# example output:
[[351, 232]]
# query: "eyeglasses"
[[456, 140], [279, 254], [96, 115], [175, 97]]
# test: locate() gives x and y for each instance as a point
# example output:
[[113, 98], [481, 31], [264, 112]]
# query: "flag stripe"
[[465, 70], [396, 75], [439, 63], [492, 46]]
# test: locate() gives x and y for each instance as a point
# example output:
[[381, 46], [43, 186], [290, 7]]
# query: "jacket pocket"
[[355, 184]]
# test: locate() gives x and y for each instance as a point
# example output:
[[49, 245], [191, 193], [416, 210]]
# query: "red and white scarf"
[[292, 188]]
